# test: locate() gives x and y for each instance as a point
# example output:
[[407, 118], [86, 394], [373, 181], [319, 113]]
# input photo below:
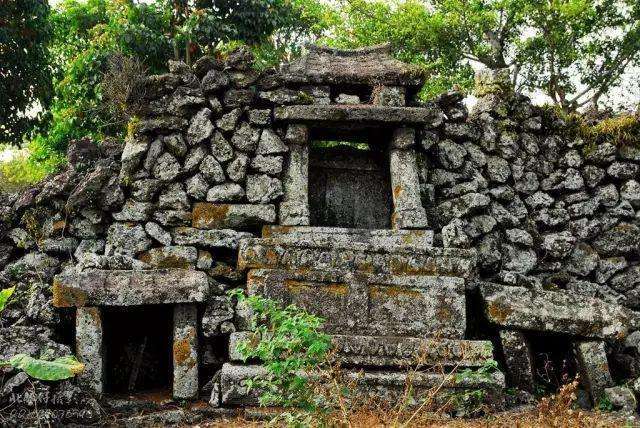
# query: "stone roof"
[[370, 65]]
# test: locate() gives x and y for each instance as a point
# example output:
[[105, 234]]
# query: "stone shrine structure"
[[413, 228]]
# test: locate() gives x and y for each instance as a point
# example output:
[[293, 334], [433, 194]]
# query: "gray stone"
[[228, 121], [270, 143], [518, 359], [480, 225], [558, 244], [630, 191], [220, 148], [519, 236], [88, 247], [134, 150], [622, 399], [518, 259], [377, 304], [347, 99], [225, 192], [195, 156], [218, 311], [403, 138], [231, 216], [608, 195], [360, 114], [158, 233], [246, 138], [197, 187], [626, 280], [593, 175], [93, 287], [593, 368], [390, 96], [450, 154], [200, 127], [166, 168], [498, 169], [259, 117], [209, 238], [170, 257], [539, 200], [271, 165], [89, 347], [238, 97], [127, 239], [583, 260], [176, 145], [618, 241], [172, 217], [453, 235], [174, 198], [463, 205], [623, 170], [528, 184], [555, 312], [405, 183], [237, 169], [214, 80], [263, 189], [155, 150], [609, 267], [211, 170], [185, 352]]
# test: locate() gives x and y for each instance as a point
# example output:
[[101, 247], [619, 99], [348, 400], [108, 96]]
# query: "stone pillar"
[[393, 96], [89, 347], [185, 352], [408, 212], [518, 358], [593, 367], [294, 209]]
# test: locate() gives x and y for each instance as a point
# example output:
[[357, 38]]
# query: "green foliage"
[[58, 369], [484, 373], [289, 342], [21, 171], [5, 295], [605, 404], [25, 77]]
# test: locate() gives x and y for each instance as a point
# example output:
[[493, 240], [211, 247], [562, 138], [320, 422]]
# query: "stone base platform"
[[230, 390]]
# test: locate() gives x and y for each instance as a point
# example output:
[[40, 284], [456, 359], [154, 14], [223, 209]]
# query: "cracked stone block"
[[221, 238], [388, 386], [95, 287], [185, 352], [294, 209], [231, 216], [429, 116], [408, 210], [89, 347], [593, 367], [518, 359], [556, 312], [363, 304], [394, 351], [361, 257]]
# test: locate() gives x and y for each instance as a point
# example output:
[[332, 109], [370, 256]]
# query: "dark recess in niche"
[[349, 179], [554, 361], [138, 349]]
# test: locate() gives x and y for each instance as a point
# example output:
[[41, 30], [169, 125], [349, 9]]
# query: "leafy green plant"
[[59, 369], [605, 404], [5, 295], [290, 344]]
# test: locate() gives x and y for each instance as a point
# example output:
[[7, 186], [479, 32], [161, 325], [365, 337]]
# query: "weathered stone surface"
[[389, 351], [171, 257], [621, 399], [134, 211], [222, 238], [360, 114], [200, 127], [555, 312], [228, 121], [94, 287], [126, 238], [237, 169], [158, 233], [518, 359], [263, 189], [593, 367], [220, 148], [271, 165], [226, 192], [370, 304], [405, 188], [227, 216], [166, 168], [246, 138], [218, 312], [89, 347], [185, 352], [619, 240], [211, 170], [270, 144], [383, 385]]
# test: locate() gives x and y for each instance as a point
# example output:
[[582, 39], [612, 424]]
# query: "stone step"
[[393, 351], [366, 304], [390, 386], [378, 238], [95, 287], [562, 312], [342, 254]]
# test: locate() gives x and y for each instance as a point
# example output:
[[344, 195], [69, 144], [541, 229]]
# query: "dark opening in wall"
[[553, 360], [349, 183], [138, 349]]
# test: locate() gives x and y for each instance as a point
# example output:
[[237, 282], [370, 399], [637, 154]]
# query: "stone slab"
[[94, 287], [218, 238], [231, 216], [89, 347], [185, 352], [335, 254], [593, 368], [518, 359], [556, 312], [392, 351], [385, 385], [429, 116], [364, 304], [409, 239]]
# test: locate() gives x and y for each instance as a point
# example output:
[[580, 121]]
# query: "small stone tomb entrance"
[[138, 358], [349, 182]]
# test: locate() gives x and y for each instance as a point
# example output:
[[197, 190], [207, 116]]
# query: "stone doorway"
[[138, 359], [349, 185]]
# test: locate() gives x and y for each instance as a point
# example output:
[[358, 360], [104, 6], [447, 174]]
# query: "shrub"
[[21, 171]]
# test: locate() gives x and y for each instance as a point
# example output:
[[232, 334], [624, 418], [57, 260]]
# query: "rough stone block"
[[366, 304], [593, 367], [185, 352], [557, 312], [222, 238], [93, 287], [303, 253], [428, 116], [405, 184], [89, 347], [231, 216], [395, 351], [518, 359]]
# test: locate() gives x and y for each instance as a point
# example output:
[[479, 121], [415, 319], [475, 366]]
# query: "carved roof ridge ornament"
[[372, 65]]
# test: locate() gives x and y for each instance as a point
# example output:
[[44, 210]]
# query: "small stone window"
[[349, 183], [138, 349]]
